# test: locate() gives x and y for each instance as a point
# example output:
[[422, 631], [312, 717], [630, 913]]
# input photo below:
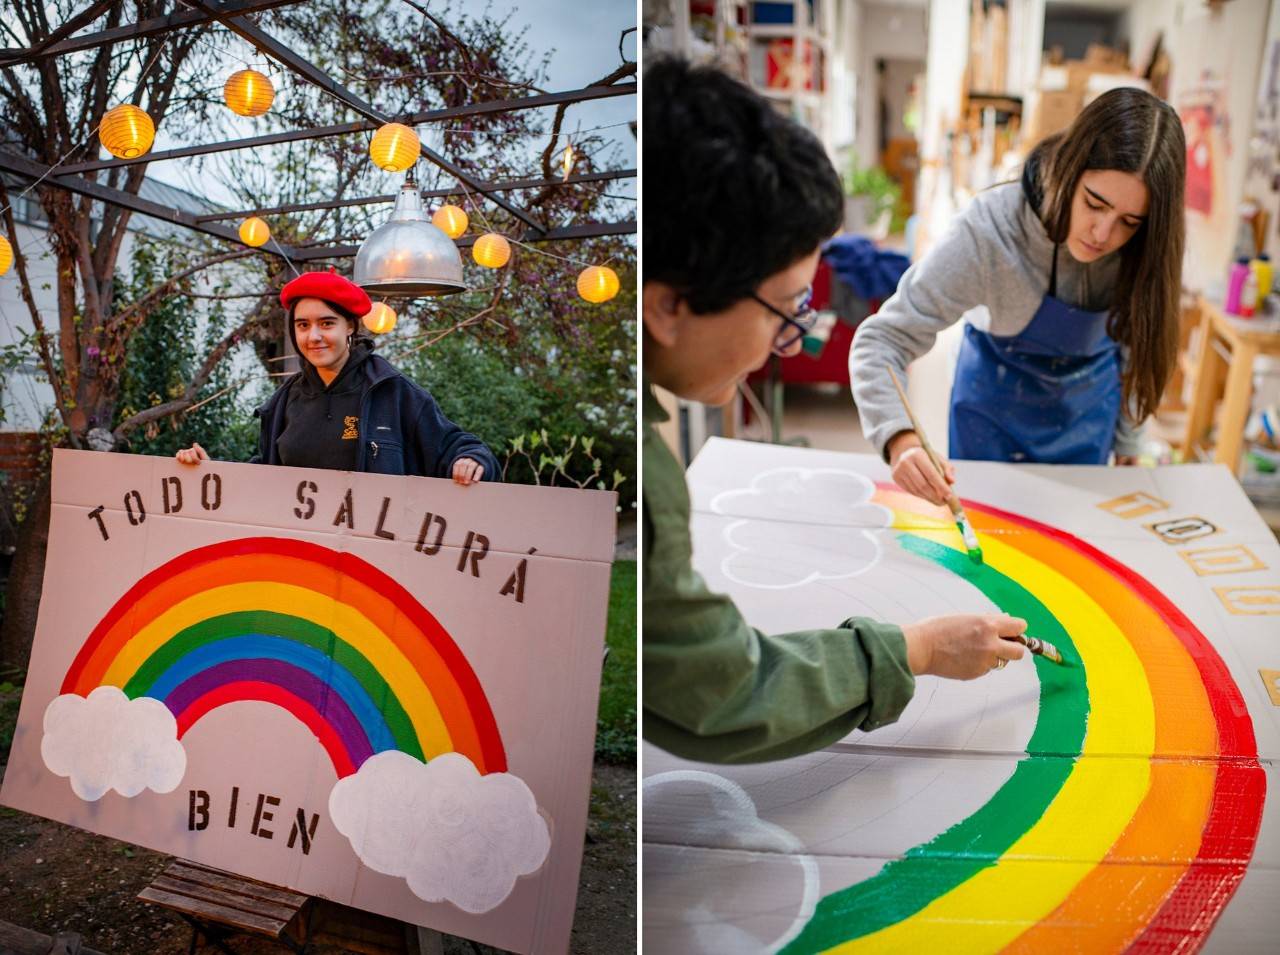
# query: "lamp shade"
[[598, 283], [126, 131], [6, 255], [248, 93], [394, 147], [254, 232], [491, 250], [450, 220], [381, 319], [407, 255]]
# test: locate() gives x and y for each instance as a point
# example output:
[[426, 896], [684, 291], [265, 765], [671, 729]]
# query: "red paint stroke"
[[270, 693], [494, 755]]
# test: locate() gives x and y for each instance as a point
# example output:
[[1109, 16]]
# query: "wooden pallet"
[[219, 905]]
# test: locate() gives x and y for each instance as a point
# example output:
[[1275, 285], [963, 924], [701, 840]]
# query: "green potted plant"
[[871, 199]]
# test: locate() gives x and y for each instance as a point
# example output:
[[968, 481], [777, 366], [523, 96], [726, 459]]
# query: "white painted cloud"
[[750, 889], [801, 525], [452, 834], [107, 741]]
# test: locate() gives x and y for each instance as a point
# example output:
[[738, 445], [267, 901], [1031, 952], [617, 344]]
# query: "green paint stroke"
[[272, 624], [928, 871]]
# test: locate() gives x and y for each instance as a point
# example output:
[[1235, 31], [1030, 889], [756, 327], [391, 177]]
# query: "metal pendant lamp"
[[407, 255]]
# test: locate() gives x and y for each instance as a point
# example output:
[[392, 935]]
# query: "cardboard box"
[[1054, 111]]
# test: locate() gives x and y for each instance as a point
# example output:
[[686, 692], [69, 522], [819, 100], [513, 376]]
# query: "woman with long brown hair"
[[1068, 282]]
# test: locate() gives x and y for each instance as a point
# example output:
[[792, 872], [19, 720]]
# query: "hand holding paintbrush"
[[952, 501]]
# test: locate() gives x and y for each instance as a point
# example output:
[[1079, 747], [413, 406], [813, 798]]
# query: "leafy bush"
[[162, 357]]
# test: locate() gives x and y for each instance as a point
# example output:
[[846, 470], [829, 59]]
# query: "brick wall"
[[19, 468]]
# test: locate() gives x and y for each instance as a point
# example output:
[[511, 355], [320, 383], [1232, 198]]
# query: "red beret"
[[329, 286]]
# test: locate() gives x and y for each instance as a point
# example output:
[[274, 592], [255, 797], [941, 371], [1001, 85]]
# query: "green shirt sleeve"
[[718, 690]]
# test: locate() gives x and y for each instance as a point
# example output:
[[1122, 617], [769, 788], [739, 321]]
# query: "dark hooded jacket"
[[398, 427]]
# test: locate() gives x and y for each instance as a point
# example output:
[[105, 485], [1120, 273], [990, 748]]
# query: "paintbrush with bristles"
[[953, 502], [1041, 648]]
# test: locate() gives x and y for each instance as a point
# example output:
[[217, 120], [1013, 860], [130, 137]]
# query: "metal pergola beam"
[[605, 176], [12, 57], [144, 28], [33, 170], [273, 48], [320, 132], [585, 230]]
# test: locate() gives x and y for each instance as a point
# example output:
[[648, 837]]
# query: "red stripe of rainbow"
[[341, 577], [1202, 812]]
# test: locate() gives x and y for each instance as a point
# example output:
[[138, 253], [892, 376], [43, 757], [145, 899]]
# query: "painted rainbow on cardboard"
[[1054, 860], [325, 635]]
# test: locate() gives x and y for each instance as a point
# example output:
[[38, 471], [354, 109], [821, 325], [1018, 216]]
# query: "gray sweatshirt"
[[991, 269]]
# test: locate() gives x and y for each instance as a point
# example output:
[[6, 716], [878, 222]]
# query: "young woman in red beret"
[[349, 409]]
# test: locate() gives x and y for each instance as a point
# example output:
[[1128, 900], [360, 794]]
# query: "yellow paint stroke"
[[1094, 806], [341, 618]]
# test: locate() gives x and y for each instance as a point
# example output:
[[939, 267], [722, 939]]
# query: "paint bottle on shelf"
[[1235, 285], [1262, 268], [1249, 295]]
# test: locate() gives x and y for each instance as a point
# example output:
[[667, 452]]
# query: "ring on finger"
[[1001, 664]]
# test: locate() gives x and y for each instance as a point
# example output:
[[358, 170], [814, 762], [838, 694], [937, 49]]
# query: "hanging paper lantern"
[[491, 250], [381, 319], [450, 220], [568, 160], [6, 255], [598, 283], [248, 93], [127, 131], [254, 232], [394, 147]]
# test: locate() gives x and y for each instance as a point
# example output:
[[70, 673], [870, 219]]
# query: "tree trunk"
[[26, 577]]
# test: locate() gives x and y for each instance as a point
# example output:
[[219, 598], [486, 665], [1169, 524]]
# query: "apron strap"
[[1053, 273]]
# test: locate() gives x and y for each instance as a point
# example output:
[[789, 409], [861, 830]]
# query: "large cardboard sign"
[[374, 689], [1121, 801]]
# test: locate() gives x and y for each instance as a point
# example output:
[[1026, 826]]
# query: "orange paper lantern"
[[126, 131], [248, 93], [6, 255], [381, 319], [254, 232], [598, 283], [491, 250], [450, 220], [394, 147]]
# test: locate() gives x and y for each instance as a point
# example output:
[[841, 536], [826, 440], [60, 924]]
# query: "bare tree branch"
[[137, 311], [200, 378], [42, 336]]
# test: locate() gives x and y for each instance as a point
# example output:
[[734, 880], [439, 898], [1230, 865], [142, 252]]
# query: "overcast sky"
[[583, 40]]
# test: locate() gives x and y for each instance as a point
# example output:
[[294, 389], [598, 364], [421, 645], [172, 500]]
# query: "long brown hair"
[[1129, 130]]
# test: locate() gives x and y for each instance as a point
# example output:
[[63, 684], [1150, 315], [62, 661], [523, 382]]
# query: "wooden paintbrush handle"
[[924, 438]]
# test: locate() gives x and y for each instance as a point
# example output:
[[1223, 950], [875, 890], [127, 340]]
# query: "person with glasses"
[[737, 202], [1068, 284]]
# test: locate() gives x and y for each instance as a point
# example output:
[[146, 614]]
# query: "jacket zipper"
[[374, 445]]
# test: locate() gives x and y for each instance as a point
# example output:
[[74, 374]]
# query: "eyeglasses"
[[795, 326]]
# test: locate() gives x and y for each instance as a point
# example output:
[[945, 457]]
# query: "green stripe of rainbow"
[[1087, 823], [323, 634]]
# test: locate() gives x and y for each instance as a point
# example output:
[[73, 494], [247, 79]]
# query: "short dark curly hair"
[[734, 192]]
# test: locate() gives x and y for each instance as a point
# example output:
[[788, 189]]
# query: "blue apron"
[[1049, 395]]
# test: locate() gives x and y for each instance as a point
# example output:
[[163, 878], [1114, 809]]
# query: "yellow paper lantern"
[[254, 232], [491, 250], [127, 131], [598, 283], [6, 255], [394, 147], [450, 220], [248, 93], [381, 319]]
